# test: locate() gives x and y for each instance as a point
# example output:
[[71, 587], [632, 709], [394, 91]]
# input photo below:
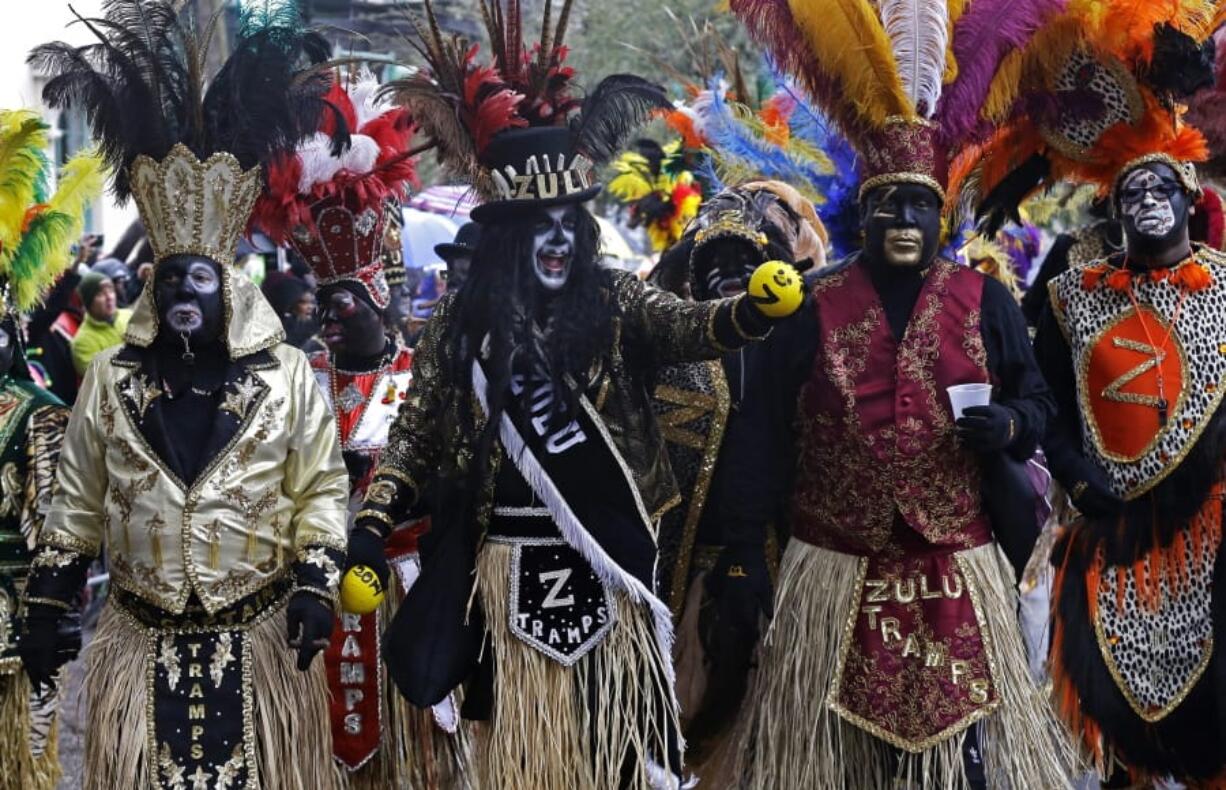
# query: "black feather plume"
[[1003, 203], [1181, 65], [613, 111], [142, 83]]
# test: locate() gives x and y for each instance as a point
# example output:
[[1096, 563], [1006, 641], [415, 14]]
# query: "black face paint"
[[187, 290], [725, 268], [1153, 208], [350, 327], [457, 271], [902, 225]]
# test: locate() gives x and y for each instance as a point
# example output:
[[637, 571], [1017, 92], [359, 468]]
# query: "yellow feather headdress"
[[37, 229]]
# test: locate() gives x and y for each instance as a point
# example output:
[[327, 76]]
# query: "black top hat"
[[535, 168], [465, 243]]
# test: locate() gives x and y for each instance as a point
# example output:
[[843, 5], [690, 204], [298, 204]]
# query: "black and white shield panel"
[[558, 605]]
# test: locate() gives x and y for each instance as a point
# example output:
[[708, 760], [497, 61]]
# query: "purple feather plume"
[[982, 37]]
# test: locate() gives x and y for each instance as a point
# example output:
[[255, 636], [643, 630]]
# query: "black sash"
[[578, 474]]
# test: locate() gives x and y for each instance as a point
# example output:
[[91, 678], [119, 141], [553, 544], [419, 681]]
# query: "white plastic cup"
[[963, 396]]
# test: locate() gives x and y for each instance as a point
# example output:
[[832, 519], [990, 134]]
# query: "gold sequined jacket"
[[651, 328], [274, 484]]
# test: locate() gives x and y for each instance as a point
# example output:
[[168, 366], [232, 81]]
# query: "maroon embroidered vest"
[[878, 441], [876, 430]]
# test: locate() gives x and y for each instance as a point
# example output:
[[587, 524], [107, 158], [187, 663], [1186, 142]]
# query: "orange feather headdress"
[[1097, 91]]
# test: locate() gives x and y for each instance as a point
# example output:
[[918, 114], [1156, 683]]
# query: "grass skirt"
[[293, 740], [789, 737], [543, 734], [19, 769]]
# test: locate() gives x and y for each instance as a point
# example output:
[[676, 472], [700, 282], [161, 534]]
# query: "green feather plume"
[[47, 232], [23, 171]]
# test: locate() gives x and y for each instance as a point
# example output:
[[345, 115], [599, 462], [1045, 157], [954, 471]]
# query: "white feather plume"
[[364, 93], [320, 166], [919, 32]]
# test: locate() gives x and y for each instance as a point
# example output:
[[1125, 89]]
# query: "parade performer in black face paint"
[[720, 547], [37, 231], [200, 455], [528, 423], [334, 200], [1131, 346], [895, 656], [1130, 343]]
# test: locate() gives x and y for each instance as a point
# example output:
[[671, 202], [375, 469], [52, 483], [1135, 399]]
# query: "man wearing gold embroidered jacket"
[[1132, 346], [200, 456]]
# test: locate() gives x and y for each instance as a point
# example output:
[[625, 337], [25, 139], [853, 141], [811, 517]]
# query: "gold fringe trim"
[[20, 770], [789, 738], [542, 734], [293, 740]]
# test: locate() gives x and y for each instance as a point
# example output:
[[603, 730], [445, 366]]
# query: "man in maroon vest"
[[895, 651]]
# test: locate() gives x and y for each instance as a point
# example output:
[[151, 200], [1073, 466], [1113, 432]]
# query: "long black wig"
[[502, 308]]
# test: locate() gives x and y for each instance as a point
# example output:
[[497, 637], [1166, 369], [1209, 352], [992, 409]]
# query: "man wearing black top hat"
[[458, 255], [528, 424]]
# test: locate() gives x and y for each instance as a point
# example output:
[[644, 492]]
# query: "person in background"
[[400, 288], [121, 276], [430, 289], [104, 322], [294, 300], [459, 254], [51, 329]]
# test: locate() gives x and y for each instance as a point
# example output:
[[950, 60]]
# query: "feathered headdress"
[[514, 128], [330, 198], [1098, 89], [785, 139], [906, 81], [189, 144], [37, 229], [662, 195], [166, 125]]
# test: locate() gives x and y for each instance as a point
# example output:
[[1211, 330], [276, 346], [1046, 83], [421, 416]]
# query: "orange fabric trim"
[[1117, 383]]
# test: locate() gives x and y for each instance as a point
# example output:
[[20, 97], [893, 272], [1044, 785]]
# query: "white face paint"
[[1146, 200], [553, 246]]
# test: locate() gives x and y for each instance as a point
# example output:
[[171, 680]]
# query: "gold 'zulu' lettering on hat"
[[543, 178]]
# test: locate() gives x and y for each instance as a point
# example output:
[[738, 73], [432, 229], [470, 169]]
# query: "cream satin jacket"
[[275, 487]]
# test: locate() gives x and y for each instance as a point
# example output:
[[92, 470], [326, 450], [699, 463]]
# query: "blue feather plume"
[[840, 213]]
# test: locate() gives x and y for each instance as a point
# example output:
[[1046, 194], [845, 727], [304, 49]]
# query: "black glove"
[[1092, 494], [309, 623], [366, 548], [358, 465], [739, 592], [42, 647], [988, 429]]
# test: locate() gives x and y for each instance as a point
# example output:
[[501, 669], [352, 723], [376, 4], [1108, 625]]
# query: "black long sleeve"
[[1055, 264], [1062, 440], [1019, 382]]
